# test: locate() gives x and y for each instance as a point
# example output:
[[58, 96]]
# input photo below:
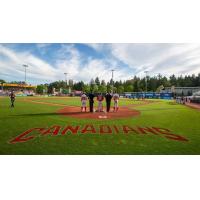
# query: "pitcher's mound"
[[123, 112]]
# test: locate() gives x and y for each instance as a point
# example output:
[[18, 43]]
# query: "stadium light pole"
[[65, 78], [112, 79], [146, 78], [25, 66]]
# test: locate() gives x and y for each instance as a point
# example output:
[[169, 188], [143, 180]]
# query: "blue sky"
[[48, 62]]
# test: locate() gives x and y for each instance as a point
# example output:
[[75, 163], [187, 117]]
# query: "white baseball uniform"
[[116, 101], [84, 101], [100, 99]]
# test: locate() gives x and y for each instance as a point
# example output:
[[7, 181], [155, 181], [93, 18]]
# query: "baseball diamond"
[[56, 125], [99, 99]]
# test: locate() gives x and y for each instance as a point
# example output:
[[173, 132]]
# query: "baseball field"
[[55, 125]]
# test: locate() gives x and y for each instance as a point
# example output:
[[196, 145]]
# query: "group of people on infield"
[[100, 98], [90, 97]]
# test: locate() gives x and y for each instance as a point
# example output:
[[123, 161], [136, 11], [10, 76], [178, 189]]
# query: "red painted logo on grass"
[[57, 130]]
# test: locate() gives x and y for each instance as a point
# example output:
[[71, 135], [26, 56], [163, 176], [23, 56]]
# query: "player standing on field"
[[83, 102], [100, 99], [108, 101], [12, 98], [116, 102], [91, 101]]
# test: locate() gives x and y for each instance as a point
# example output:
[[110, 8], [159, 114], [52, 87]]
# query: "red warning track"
[[123, 112]]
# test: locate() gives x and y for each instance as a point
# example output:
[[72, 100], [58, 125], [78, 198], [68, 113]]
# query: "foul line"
[[64, 105], [45, 103]]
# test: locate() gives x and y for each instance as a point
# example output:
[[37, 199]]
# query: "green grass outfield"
[[179, 119]]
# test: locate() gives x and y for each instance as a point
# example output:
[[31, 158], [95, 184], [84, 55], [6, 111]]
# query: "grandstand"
[[182, 91], [196, 97], [20, 89]]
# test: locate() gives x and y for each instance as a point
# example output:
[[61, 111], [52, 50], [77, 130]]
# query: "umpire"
[[108, 101], [91, 101]]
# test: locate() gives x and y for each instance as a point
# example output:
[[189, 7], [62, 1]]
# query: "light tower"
[[25, 66], [112, 79], [146, 78], [69, 89], [65, 78]]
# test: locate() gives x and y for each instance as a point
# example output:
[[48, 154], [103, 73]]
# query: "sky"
[[48, 62]]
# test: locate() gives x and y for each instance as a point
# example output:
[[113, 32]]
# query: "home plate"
[[103, 117]]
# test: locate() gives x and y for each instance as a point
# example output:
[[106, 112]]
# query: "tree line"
[[136, 84]]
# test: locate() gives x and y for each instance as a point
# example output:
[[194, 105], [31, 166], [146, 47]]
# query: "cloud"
[[166, 59], [12, 64], [127, 60], [80, 68], [69, 60], [97, 46], [43, 47]]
